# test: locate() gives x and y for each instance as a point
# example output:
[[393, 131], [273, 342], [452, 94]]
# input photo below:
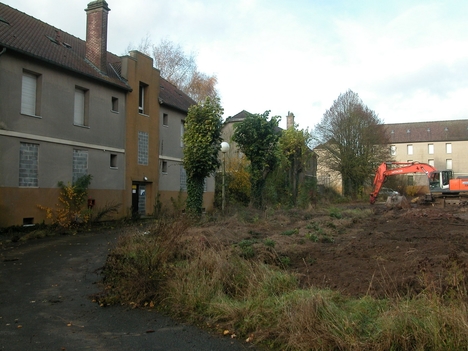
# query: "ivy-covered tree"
[[257, 137], [295, 155], [202, 140]]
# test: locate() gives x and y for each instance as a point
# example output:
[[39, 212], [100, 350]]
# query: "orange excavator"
[[440, 182]]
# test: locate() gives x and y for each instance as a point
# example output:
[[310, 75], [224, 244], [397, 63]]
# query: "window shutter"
[[28, 94], [79, 107]]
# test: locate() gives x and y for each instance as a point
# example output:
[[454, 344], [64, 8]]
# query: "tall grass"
[[207, 282]]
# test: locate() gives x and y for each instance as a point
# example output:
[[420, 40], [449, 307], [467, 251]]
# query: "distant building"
[[442, 144], [234, 151]]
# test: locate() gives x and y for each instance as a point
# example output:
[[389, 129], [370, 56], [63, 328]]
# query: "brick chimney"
[[290, 120], [96, 34]]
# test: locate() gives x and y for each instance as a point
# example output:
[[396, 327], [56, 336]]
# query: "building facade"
[[172, 177], [442, 144], [69, 108], [62, 115], [141, 134]]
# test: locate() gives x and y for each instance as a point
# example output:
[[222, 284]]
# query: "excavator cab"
[[440, 180]]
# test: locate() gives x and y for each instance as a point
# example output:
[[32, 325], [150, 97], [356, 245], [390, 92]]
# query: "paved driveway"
[[44, 304]]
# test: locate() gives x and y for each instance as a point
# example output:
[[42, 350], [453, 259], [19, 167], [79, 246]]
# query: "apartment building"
[[442, 144], [68, 108], [62, 114]]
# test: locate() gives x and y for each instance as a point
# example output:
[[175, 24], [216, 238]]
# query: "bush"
[[71, 209]]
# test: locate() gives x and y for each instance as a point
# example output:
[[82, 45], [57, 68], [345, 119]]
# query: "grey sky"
[[407, 60]]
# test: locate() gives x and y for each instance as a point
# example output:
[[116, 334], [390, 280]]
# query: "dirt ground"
[[358, 249]]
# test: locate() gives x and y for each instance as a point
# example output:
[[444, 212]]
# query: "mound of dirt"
[[357, 249]]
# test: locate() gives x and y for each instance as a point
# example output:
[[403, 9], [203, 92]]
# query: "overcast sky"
[[407, 60]]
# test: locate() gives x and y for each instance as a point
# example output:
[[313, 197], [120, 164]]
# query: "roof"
[[454, 130], [173, 97], [238, 117], [27, 35]]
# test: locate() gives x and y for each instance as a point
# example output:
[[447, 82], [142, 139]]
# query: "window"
[[164, 166], [142, 98], [113, 161], [165, 119], [448, 163], [410, 180], [183, 179], [80, 117], [28, 165], [182, 130], [431, 162], [393, 150], [143, 145], [430, 149], [448, 148], [410, 149], [80, 164], [115, 104], [30, 94]]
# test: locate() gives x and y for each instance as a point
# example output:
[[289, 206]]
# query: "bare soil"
[[371, 250]]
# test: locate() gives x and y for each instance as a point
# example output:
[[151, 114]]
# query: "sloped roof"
[[29, 36], [173, 97], [454, 130], [238, 117]]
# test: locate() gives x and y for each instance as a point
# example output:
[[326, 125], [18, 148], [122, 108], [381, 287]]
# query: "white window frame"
[[448, 163], [430, 162], [29, 94], [142, 98], [448, 148], [393, 150], [409, 149], [80, 112], [430, 149]]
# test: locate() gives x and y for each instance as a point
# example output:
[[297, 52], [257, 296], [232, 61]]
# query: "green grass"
[[217, 286]]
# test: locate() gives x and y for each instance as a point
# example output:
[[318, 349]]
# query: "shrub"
[[71, 209]]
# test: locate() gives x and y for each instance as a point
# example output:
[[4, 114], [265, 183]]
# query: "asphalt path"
[[45, 304]]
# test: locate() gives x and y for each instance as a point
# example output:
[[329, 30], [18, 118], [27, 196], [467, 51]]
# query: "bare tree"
[[353, 140], [180, 68]]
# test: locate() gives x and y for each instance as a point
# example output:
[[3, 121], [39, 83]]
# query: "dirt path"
[[44, 304]]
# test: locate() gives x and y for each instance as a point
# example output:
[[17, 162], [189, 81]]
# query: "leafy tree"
[[202, 140], [180, 69], [295, 155], [353, 141], [257, 137]]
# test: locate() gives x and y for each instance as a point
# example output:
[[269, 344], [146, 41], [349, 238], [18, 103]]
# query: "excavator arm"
[[394, 168]]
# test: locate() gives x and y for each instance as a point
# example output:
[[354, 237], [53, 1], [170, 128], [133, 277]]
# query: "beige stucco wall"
[[459, 155], [138, 68], [53, 130]]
